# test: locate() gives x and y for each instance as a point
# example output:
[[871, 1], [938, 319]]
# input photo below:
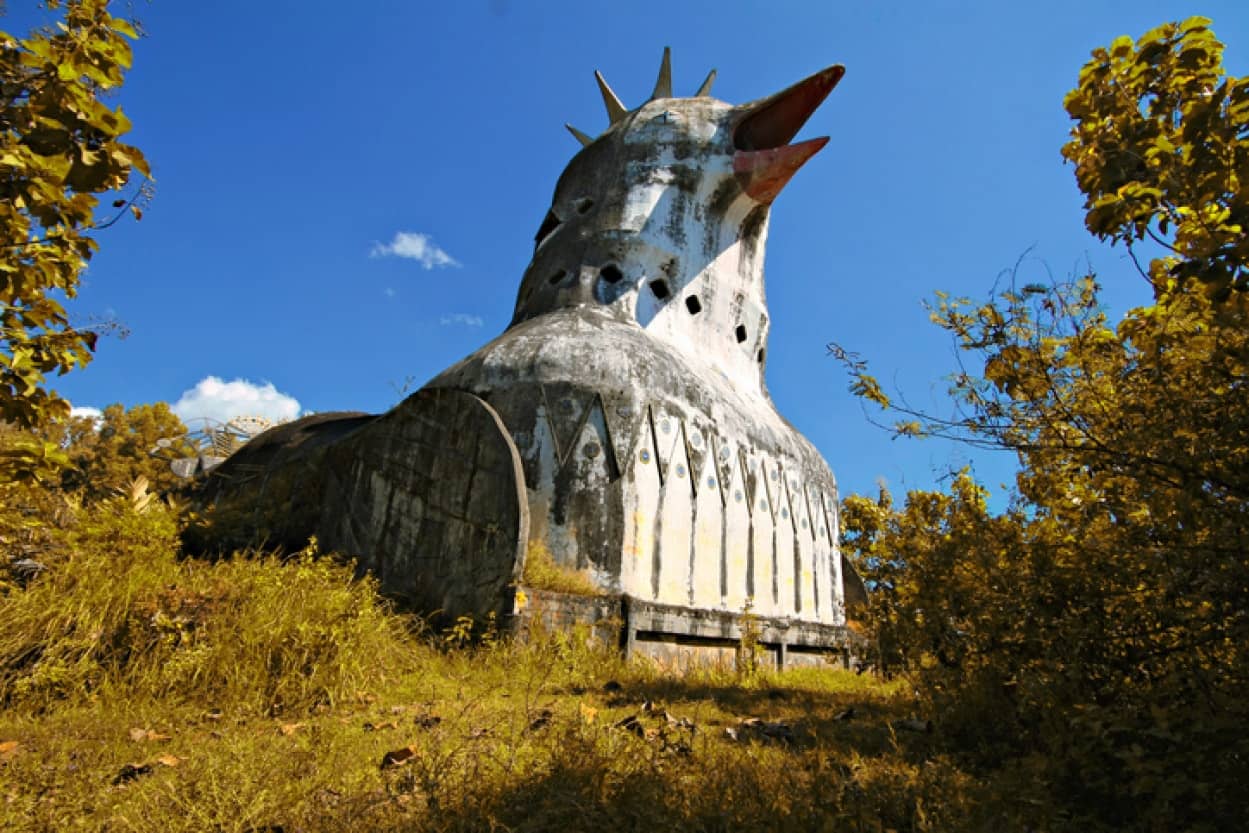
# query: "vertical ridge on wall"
[[708, 547], [675, 532], [737, 534], [642, 489]]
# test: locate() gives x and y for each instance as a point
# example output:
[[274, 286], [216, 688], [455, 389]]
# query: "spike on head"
[[663, 84], [704, 91], [615, 109], [583, 138], [761, 160]]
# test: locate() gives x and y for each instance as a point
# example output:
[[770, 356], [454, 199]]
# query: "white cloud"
[[216, 399], [462, 318], [414, 246], [85, 412]]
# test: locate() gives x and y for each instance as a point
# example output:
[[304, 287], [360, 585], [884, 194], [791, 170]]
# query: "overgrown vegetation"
[[142, 691], [1093, 636], [60, 149], [542, 572], [1077, 661], [119, 617]]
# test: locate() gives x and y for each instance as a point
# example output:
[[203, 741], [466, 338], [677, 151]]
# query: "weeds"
[[118, 616], [749, 650], [143, 691], [542, 572]]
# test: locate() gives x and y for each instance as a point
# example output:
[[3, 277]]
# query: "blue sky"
[[294, 142]]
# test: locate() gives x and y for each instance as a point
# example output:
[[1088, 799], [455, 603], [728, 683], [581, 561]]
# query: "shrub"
[[117, 614]]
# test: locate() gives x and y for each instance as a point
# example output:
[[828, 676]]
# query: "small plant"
[[459, 634], [749, 650]]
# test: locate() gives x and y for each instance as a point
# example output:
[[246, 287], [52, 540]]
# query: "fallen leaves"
[[753, 728], [632, 724], [132, 771], [673, 734], [398, 757], [147, 735], [427, 721], [911, 724]]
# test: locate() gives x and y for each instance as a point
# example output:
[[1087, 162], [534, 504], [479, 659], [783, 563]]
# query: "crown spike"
[[578, 135], [615, 110], [705, 90], [663, 84]]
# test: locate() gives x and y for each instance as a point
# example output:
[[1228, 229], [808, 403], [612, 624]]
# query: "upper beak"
[[763, 161]]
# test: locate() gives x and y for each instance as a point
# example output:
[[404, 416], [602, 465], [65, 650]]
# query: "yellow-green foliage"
[[119, 616], [141, 691], [543, 573], [61, 144], [512, 737], [1095, 633]]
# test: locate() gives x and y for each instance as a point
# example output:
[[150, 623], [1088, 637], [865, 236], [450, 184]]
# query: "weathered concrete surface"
[[628, 393], [683, 638], [428, 497]]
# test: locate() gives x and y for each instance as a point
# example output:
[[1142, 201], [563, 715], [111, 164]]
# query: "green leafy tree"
[[1098, 630], [60, 150], [1160, 151], [112, 457], [109, 454]]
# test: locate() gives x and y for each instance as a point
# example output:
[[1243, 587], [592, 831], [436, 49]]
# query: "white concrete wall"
[[697, 530]]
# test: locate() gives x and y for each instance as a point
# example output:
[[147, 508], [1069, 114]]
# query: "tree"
[[100, 459], [1099, 628], [1161, 152], [108, 454], [60, 150]]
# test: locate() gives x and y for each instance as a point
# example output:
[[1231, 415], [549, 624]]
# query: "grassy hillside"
[[141, 691]]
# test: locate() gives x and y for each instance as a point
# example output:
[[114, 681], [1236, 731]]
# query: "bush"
[[118, 615]]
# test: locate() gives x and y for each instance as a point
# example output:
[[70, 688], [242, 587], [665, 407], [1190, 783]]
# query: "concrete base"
[[681, 637]]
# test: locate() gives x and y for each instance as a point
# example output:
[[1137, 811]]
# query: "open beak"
[[763, 160]]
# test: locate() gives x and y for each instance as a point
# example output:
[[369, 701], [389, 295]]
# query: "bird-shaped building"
[[619, 429]]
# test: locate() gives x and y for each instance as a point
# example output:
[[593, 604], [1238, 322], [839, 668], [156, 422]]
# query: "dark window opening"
[[760, 356], [557, 277], [583, 205], [741, 333], [693, 305], [660, 287], [549, 224], [611, 273]]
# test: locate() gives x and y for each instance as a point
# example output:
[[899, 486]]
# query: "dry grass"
[[278, 699], [542, 572], [507, 737]]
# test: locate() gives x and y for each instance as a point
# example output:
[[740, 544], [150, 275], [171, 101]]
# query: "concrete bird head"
[[670, 203]]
